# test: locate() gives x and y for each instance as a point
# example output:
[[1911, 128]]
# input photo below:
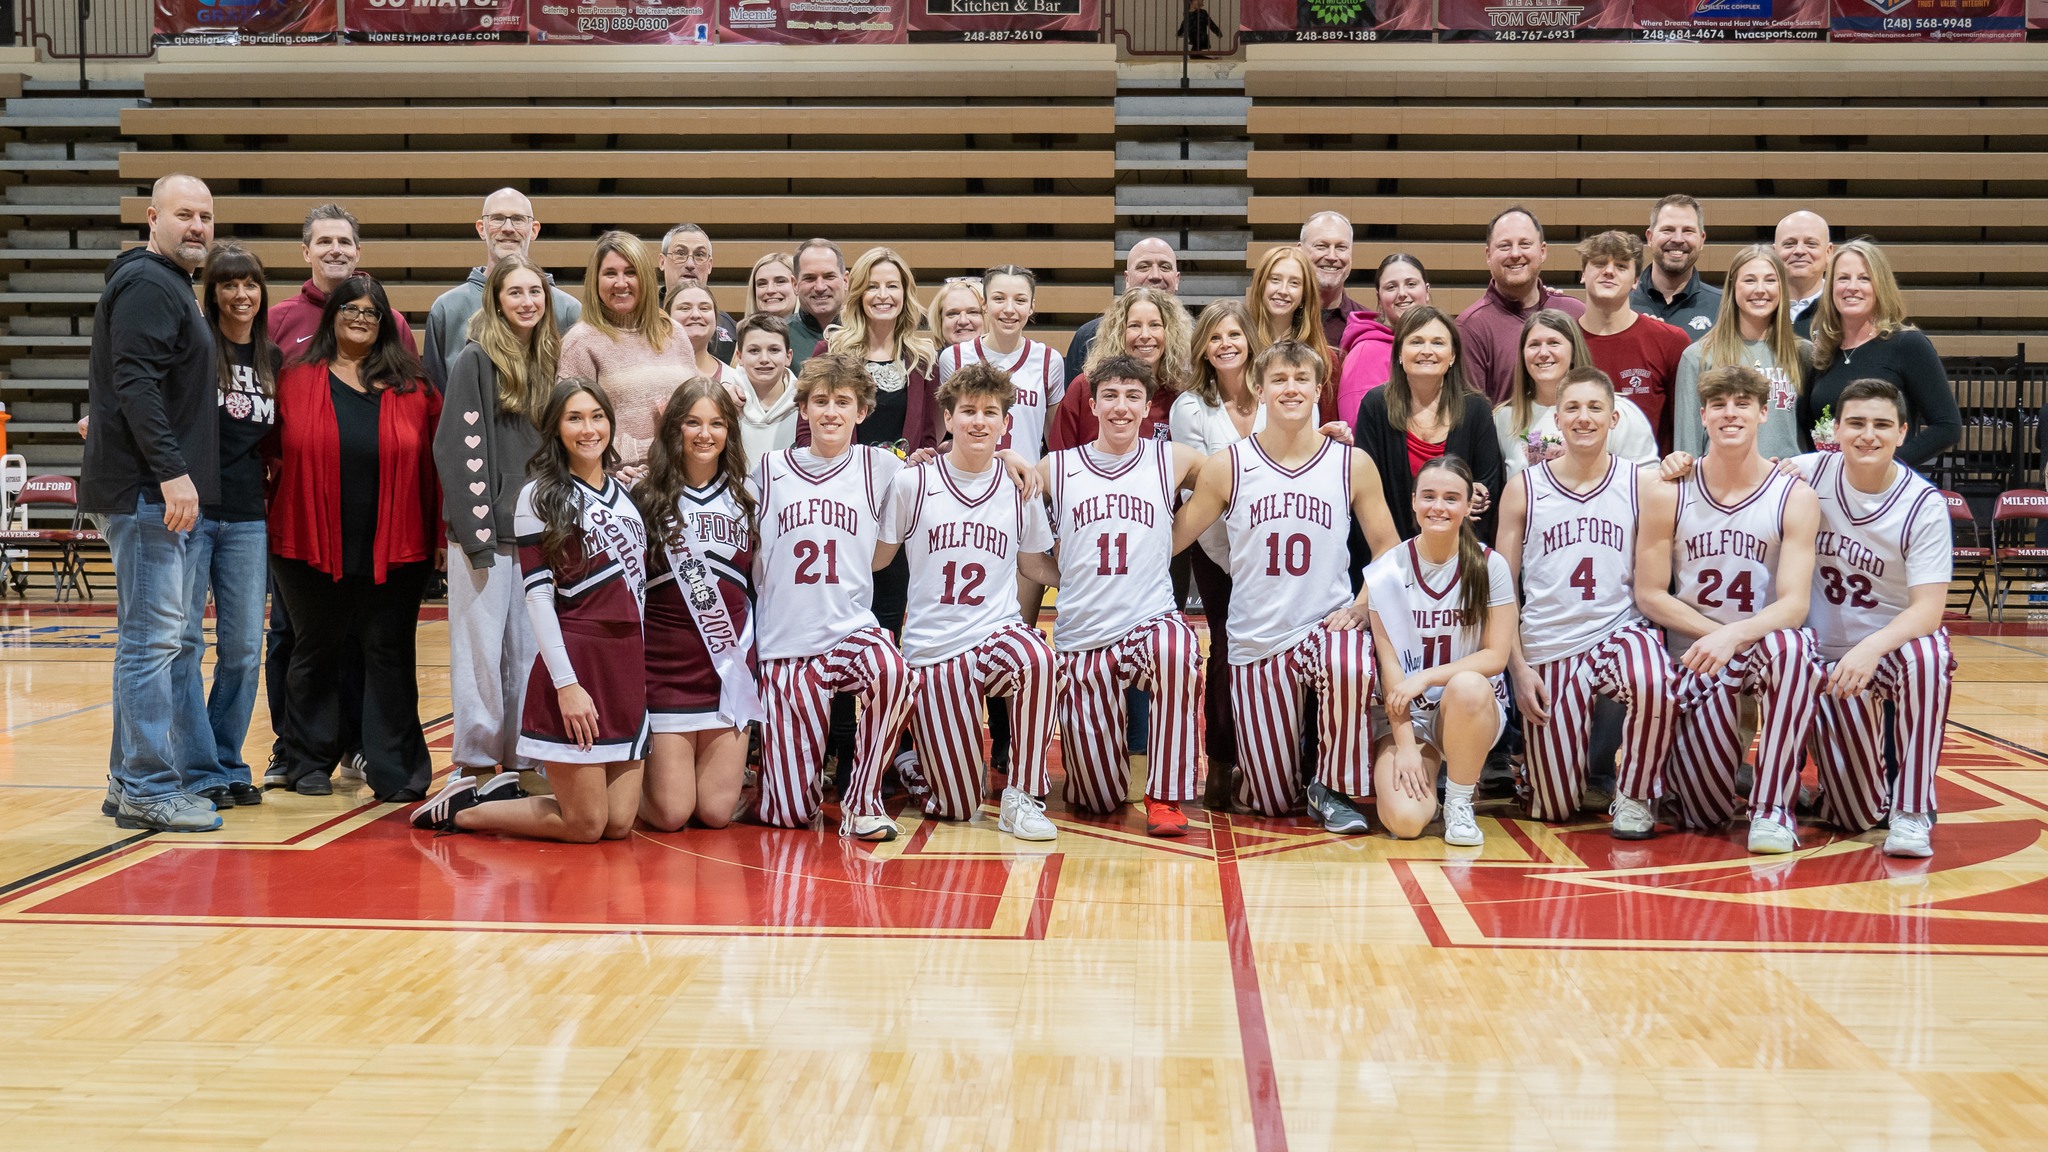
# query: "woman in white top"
[[1217, 410], [957, 314], [1038, 372], [1527, 423], [690, 305]]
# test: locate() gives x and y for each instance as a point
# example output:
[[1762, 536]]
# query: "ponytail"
[[1474, 584]]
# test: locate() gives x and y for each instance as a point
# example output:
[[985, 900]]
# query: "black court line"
[[1997, 739], [75, 861]]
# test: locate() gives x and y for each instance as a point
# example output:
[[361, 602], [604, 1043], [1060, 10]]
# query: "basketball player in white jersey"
[[1739, 537], [1118, 628], [1443, 622], [1568, 532], [1286, 496], [1038, 373], [968, 531], [1880, 582], [814, 626]]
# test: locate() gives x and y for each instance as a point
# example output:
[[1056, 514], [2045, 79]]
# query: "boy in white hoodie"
[[768, 418]]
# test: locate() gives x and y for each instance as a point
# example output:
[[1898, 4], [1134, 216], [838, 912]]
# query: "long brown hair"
[[659, 494], [227, 261], [1475, 589], [1722, 345], [525, 364], [648, 321], [556, 502], [1400, 399], [1523, 399]]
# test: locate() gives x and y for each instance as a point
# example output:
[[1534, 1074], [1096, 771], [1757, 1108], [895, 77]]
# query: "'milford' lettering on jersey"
[[1848, 552], [1300, 505], [720, 529], [1727, 542], [1587, 531], [822, 512], [1116, 506], [980, 537], [1439, 619]]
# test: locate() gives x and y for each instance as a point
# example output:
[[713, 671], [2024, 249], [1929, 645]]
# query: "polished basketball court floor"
[[320, 976]]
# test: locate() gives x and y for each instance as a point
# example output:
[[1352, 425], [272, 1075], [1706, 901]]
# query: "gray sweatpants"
[[491, 650]]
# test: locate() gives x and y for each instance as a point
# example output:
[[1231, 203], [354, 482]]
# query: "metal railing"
[[88, 29], [1159, 27]]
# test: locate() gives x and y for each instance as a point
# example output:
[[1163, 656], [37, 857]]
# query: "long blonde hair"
[[909, 345], [525, 363], [649, 321], [1202, 376], [1889, 312], [1722, 345], [1522, 401], [1172, 372], [1307, 323], [787, 261]]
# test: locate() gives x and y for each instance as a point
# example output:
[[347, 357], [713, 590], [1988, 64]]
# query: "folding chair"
[[1972, 559], [2015, 555], [57, 547]]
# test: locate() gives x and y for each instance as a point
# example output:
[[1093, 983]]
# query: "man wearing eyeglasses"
[[1492, 326], [331, 244], [686, 255], [507, 227]]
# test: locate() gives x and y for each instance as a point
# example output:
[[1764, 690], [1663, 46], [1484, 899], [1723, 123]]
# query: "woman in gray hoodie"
[[496, 388]]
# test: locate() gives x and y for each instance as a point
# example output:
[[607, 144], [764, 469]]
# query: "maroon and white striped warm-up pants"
[[1161, 656], [1015, 661], [1848, 747], [1780, 670], [796, 695], [1267, 695], [1630, 666]]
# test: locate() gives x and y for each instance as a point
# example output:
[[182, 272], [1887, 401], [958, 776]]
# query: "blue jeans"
[[231, 558], [157, 688]]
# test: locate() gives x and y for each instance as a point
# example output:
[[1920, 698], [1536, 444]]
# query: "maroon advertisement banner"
[[433, 21], [1004, 21], [1533, 21], [1920, 20], [1731, 20], [620, 21], [1334, 21], [244, 22], [814, 21], [2037, 19]]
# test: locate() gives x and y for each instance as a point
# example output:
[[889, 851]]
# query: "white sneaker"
[[1024, 817], [878, 829], [1911, 835], [1633, 819], [1461, 827], [353, 770], [1768, 837]]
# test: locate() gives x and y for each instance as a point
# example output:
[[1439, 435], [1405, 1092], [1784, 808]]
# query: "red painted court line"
[[1424, 912], [1041, 903], [1269, 1124]]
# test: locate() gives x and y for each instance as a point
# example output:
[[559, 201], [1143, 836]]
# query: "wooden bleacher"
[[1940, 152]]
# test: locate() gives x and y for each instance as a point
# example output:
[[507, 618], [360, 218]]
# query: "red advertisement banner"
[[1731, 20], [245, 21], [2037, 19], [1004, 21], [814, 21], [1334, 21], [1533, 21], [620, 21], [433, 21], [1894, 21]]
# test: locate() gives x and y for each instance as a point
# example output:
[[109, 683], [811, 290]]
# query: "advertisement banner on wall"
[[2037, 19], [1533, 21], [1334, 21], [1004, 21], [620, 21], [245, 22], [1731, 20], [1896, 21], [433, 21], [814, 21]]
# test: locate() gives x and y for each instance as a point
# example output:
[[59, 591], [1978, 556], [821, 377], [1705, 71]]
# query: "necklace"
[[887, 375]]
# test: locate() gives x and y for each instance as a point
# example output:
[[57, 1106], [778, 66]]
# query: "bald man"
[[1151, 264], [507, 226], [1802, 243]]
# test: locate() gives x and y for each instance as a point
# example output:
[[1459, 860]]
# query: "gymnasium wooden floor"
[[319, 976]]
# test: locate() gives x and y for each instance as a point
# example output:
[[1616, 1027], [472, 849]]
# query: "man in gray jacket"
[[507, 227]]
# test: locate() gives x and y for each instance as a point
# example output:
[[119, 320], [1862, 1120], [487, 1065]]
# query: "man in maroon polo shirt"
[[1492, 326], [1326, 241], [1639, 353], [331, 244]]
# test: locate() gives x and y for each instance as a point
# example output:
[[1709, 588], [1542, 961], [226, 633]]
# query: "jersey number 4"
[[1738, 590], [808, 553], [1582, 578]]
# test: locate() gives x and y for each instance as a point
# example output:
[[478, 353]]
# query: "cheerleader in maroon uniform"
[[584, 554], [700, 628]]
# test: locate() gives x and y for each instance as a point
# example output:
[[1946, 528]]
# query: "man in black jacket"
[[152, 459]]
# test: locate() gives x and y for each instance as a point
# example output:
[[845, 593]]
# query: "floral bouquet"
[[1824, 431], [1541, 445]]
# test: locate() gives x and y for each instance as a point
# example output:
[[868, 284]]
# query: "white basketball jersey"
[[1435, 595], [1040, 376], [1115, 526], [962, 535], [1290, 556], [1871, 550], [1578, 562], [1728, 554], [819, 522]]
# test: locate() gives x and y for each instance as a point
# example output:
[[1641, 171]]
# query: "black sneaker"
[[438, 814], [503, 786], [245, 794], [314, 784], [403, 796], [277, 775]]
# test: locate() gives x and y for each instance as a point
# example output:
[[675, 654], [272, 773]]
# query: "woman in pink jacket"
[[1368, 344]]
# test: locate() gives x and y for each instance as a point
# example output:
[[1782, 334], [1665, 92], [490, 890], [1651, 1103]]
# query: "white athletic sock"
[[1456, 791]]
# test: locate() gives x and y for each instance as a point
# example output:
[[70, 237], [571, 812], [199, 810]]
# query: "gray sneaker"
[[111, 806], [174, 813], [1334, 811], [1633, 819]]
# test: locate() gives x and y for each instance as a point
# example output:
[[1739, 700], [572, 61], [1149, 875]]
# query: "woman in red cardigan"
[[354, 528]]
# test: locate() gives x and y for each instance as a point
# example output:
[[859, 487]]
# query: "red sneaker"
[[1164, 818]]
